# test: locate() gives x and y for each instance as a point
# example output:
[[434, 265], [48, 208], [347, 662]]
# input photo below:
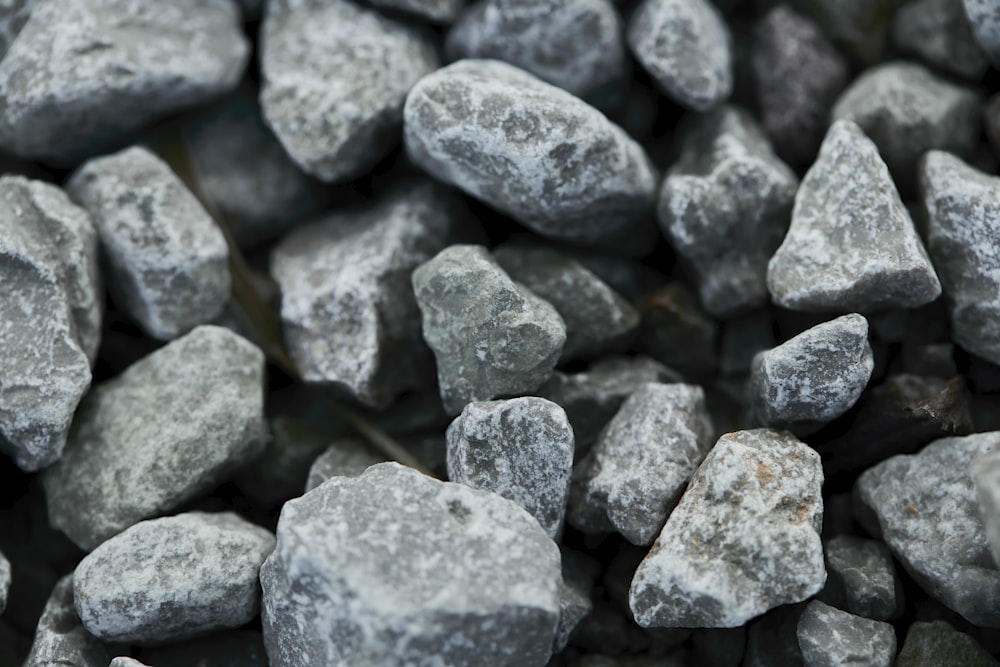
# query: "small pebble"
[[60, 638], [862, 578], [829, 637], [345, 457], [938, 32], [985, 24], [937, 643]]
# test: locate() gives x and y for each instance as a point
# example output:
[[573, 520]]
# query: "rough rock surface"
[[441, 11], [852, 244], [529, 149], [861, 578], [432, 573], [4, 581], [168, 258], [938, 32], [829, 637], [743, 539], [986, 474], [345, 457], [937, 643], [985, 23], [169, 427], [633, 477], [60, 638]]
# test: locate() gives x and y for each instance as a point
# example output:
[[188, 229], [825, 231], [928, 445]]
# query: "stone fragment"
[[859, 27], [4, 581], [829, 637], [345, 457], [985, 23], [938, 32], [491, 336], [60, 638], [394, 567], [937, 643], [852, 244], [439, 11], [633, 477], [168, 259], [861, 578], [743, 539], [528, 149], [171, 426], [675, 331], [986, 474]]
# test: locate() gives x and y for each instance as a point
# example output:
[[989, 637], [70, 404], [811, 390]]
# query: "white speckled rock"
[[335, 75], [529, 149], [4, 581], [938, 32], [743, 539], [861, 578], [60, 638], [394, 567], [686, 47], [123, 661], [950, 559], [984, 18], [635, 474], [852, 244], [168, 258], [169, 427], [829, 637], [439, 11], [345, 457], [986, 473]]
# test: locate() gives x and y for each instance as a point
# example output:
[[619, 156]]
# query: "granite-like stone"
[[985, 23], [938, 32], [829, 637], [986, 474], [861, 578], [439, 11], [394, 567], [60, 638], [937, 643], [4, 581], [859, 27], [345, 457], [743, 539]]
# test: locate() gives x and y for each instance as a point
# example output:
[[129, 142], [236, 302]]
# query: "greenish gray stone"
[[829, 637]]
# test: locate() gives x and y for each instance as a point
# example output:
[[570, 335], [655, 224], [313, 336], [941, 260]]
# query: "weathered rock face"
[[861, 578], [60, 638], [986, 473], [829, 637], [345, 457], [393, 567]]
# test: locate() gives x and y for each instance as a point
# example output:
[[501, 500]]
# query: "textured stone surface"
[[829, 637], [937, 643], [168, 258], [345, 457], [852, 244], [859, 27], [491, 336], [985, 23], [393, 567], [529, 149], [986, 473], [15, 14], [60, 638], [725, 207], [743, 539], [861, 578], [938, 32], [4, 581], [82, 73], [169, 427], [950, 559], [441, 11], [633, 477], [335, 75], [685, 46]]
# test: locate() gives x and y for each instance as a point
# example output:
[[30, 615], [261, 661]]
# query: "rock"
[[397, 567], [676, 333], [82, 74], [798, 76], [168, 259], [124, 661], [725, 206], [439, 11], [861, 578], [986, 474], [528, 149], [173, 578], [852, 244], [743, 539], [335, 75], [859, 27], [598, 319], [633, 477], [963, 219], [60, 638], [15, 15], [686, 47], [938, 32], [347, 308], [985, 24], [520, 449], [491, 336], [951, 560], [772, 640], [829, 637], [345, 457], [937, 643], [574, 597], [168, 428], [4, 581]]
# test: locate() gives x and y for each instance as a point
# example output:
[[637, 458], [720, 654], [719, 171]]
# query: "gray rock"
[[814, 377], [169, 427], [345, 457], [394, 567], [852, 244], [859, 27], [574, 597], [743, 539], [173, 578], [725, 207], [168, 258], [862, 578], [633, 477], [529, 149], [985, 23], [60, 638], [938, 32], [13, 15], [937, 643], [686, 47], [491, 336], [829, 637], [123, 661], [83, 73], [963, 219], [986, 474], [4, 581], [950, 559], [335, 75], [439, 11]]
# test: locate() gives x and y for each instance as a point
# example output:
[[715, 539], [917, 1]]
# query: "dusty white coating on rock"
[[986, 473], [4, 581], [168, 258], [984, 19], [172, 578], [345, 457], [60, 638], [911, 496], [335, 75], [171, 426], [861, 578], [635, 474], [394, 567], [743, 539], [938, 32], [442, 11], [852, 244], [829, 637], [529, 149]]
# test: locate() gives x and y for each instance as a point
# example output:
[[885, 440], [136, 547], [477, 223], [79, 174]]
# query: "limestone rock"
[[60, 638], [829, 637], [345, 457]]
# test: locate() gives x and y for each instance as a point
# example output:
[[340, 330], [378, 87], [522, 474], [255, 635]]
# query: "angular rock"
[[861, 578], [852, 244], [171, 426], [938, 32], [686, 47], [829, 637], [986, 474], [859, 27], [676, 332], [81, 74], [491, 336], [168, 259], [633, 477], [725, 207], [345, 457], [528, 149], [393, 567], [4, 581], [439, 11], [743, 539], [60, 638], [937, 643], [335, 75], [985, 24]]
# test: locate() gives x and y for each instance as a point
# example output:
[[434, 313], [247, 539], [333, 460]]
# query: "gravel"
[[861, 578], [829, 637]]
